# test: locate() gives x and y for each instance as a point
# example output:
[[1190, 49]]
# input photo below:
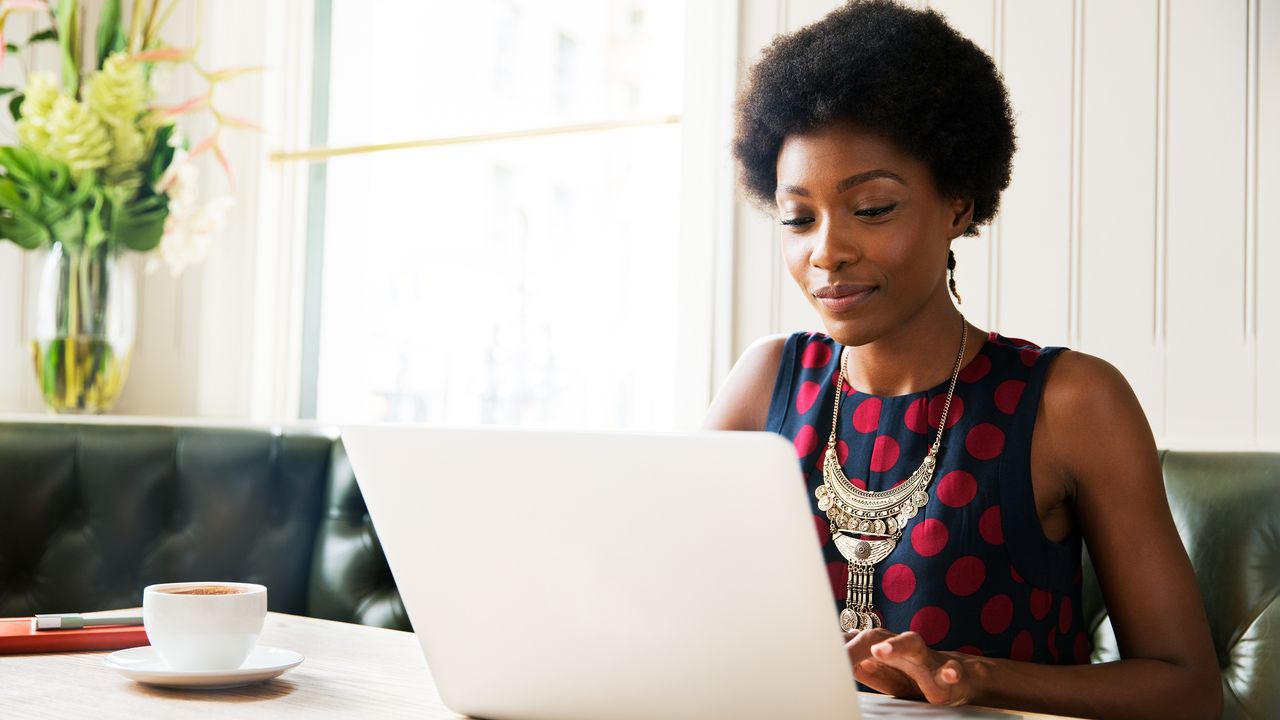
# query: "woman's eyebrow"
[[848, 182], [862, 177]]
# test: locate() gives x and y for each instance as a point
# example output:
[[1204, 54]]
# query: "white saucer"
[[144, 665]]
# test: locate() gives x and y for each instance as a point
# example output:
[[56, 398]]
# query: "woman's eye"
[[796, 221], [876, 211]]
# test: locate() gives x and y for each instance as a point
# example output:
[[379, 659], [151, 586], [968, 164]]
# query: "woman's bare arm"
[[743, 401]]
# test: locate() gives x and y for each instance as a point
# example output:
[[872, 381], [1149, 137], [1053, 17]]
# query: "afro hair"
[[901, 73]]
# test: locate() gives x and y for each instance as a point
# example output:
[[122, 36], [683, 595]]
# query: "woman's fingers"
[[940, 681], [885, 679], [902, 665], [858, 643], [907, 648], [870, 671], [950, 672]]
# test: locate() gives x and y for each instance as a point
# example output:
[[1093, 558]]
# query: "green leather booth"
[[90, 513]]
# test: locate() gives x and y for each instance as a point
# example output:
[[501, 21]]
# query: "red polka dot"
[[842, 451], [977, 369], [984, 441], [838, 573], [957, 488], [989, 526], [928, 537], [970, 650], [858, 483], [866, 417], [1013, 573], [816, 355], [965, 576], [898, 582], [1052, 642], [953, 414], [997, 613], [932, 623], [1029, 356], [1064, 615], [914, 417], [1022, 647], [807, 395], [884, 453], [1008, 393], [1041, 601], [1082, 648], [824, 529], [806, 440]]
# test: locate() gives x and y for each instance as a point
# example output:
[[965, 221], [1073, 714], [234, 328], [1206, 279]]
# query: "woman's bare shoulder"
[[1094, 421], [743, 400], [1078, 386]]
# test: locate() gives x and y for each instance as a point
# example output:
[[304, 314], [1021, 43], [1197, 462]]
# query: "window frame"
[[707, 215]]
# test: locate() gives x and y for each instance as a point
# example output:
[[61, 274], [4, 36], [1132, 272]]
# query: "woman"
[[965, 469]]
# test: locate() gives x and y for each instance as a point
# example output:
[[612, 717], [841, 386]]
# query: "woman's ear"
[[960, 215]]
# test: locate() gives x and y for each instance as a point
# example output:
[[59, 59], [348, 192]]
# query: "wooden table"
[[350, 671]]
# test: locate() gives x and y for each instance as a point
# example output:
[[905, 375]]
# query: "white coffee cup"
[[204, 625]]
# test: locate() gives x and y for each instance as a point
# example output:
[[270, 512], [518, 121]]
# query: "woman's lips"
[[840, 299]]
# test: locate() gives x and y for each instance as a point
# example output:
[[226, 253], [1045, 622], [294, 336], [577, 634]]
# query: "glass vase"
[[85, 316]]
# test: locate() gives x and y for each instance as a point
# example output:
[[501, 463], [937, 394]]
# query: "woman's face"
[[865, 233]]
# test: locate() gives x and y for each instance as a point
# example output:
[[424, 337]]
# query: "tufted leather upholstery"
[[351, 580], [90, 514], [1227, 509]]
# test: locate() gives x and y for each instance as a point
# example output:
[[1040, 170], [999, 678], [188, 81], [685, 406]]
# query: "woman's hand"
[[903, 666]]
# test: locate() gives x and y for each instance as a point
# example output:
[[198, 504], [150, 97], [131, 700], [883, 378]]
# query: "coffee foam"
[[206, 590]]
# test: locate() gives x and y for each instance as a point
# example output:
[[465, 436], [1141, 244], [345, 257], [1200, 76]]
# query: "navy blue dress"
[[973, 571]]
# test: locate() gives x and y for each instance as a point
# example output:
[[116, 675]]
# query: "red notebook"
[[17, 636]]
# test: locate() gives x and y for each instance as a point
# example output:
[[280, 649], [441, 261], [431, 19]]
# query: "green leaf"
[[22, 232], [21, 205], [38, 201], [86, 183], [69, 229], [139, 225], [93, 232], [10, 47], [110, 31], [161, 156], [49, 35], [68, 15], [15, 106], [5, 90]]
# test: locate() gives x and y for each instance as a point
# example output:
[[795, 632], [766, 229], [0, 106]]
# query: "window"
[[522, 281]]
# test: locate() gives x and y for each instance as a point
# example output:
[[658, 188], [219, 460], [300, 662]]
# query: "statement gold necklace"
[[857, 514]]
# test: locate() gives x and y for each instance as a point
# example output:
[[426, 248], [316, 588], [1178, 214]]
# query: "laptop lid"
[[554, 574]]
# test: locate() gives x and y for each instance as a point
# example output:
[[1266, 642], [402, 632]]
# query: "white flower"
[[179, 181], [190, 227]]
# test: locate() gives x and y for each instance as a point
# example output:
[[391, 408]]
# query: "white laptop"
[[609, 575]]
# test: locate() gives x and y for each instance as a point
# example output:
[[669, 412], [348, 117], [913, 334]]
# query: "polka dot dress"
[[973, 571]]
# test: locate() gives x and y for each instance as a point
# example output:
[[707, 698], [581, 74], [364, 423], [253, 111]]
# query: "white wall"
[[1134, 228], [1149, 132]]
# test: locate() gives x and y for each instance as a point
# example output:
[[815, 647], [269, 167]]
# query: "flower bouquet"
[[99, 169]]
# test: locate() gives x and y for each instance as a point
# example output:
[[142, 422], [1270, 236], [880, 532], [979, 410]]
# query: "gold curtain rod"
[[316, 154]]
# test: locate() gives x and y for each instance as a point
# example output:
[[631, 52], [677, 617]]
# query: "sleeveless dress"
[[973, 571]]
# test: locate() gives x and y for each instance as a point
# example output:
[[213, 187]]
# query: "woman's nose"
[[833, 246]]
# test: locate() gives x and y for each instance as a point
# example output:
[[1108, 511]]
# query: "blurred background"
[[524, 212]]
